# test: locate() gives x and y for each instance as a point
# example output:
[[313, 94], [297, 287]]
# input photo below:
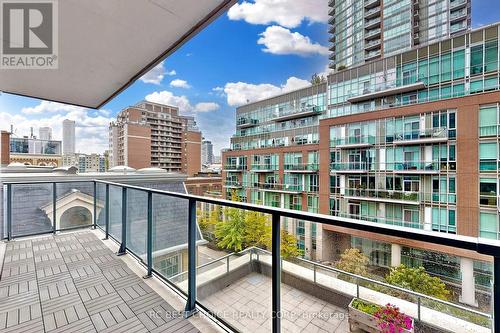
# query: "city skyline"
[[262, 70]]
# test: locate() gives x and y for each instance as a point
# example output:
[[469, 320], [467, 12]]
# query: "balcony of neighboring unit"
[[359, 141], [415, 167], [231, 183], [331, 20], [429, 135], [245, 122], [303, 112], [372, 12], [331, 12], [373, 44], [458, 15], [331, 3], [349, 167], [375, 195], [301, 167], [372, 54], [382, 91], [280, 188], [264, 167], [331, 29], [370, 24], [234, 167], [371, 3], [373, 33], [455, 4]]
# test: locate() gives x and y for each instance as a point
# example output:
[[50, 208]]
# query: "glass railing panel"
[[137, 222], [170, 235], [32, 209], [115, 212], [75, 205], [101, 203], [234, 281]]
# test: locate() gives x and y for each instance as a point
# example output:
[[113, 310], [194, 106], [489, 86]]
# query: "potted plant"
[[368, 317]]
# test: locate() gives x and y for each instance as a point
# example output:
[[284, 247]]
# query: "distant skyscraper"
[[207, 152], [68, 136], [363, 30], [45, 133]]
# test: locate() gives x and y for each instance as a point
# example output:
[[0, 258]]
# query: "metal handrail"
[[384, 284]]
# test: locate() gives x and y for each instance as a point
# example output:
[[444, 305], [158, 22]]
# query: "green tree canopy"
[[417, 279], [353, 261]]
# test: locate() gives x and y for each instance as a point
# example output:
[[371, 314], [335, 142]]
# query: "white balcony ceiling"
[[104, 46]]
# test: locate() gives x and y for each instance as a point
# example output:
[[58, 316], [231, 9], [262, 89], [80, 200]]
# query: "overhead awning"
[[105, 45]]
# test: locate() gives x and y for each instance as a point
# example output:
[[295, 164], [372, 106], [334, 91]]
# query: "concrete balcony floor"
[[74, 282]]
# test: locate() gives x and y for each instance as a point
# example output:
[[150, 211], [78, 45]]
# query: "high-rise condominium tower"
[[45, 133], [155, 135], [207, 152], [363, 30], [68, 136]]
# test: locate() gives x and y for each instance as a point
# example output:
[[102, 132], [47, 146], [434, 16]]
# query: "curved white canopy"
[[104, 46]]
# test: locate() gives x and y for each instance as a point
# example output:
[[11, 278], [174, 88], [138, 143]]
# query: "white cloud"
[[289, 14], [91, 125], [156, 74], [182, 102], [50, 107], [206, 107], [178, 83], [239, 93], [279, 40]]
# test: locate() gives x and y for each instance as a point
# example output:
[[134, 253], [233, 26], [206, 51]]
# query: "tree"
[[289, 247], [418, 280], [257, 229], [353, 261], [208, 220], [317, 79], [230, 231]]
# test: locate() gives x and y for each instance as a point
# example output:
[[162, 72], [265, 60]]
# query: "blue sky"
[[260, 48]]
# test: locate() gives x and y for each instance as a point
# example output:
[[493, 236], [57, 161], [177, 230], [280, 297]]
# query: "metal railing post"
[[123, 244], [95, 206], [54, 206], [276, 272], [496, 294], [357, 288], [191, 301], [227, 265], [419, 308], [107, 212], [9, 212], [149, 236], [314, 267]]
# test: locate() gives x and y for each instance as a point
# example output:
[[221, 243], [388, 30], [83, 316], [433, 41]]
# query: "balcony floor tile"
[[74, 283]]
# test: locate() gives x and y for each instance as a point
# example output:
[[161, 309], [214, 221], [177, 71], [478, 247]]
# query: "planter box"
[[362, 322]]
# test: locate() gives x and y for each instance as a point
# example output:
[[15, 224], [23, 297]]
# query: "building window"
[[443, 220], [488, 121], [488, 192], [488, 225], [169, 266], [488, 156]]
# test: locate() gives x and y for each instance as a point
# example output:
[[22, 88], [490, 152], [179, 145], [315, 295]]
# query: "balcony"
[[234, 167], [264, 167], [373, 44], [372, 13], [384, 91], [371, 3], [360, 141], [414, 167], [230, 183], [400, 197], [429, 135], [246, 122], [349, 167], [455, 4], [370, 24], [297, 113], [372, 55], [79, 282], [458, 15], [301, 167], [281, 188], [374, 33]]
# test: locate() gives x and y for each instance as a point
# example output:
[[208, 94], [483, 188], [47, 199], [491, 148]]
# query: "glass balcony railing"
[[353, 140], [246, 122], [301, 167], [235, 167], [429, 134], [405, 166], [349, 166], [279, 187], [232, 183], [148, 224], [292, 113], [265, 167], [386, 194]]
